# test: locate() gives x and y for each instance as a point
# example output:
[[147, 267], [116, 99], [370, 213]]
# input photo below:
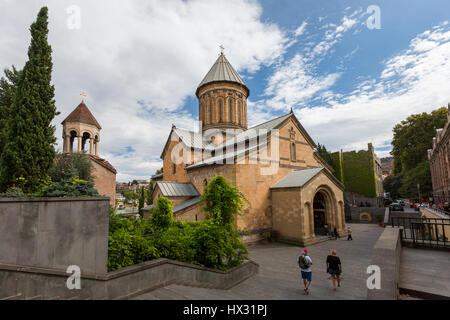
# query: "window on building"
[[210, 111], [293, 151], [231, 110], [239, 112], [220, 110], [174, 168]]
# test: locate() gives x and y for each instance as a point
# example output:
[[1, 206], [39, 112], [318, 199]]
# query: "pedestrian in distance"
[[305, 262], [349, 233], [336, 235], [325, 227], [334, 268]]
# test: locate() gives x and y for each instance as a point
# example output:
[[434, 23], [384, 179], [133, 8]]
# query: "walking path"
[[279, 275], [425, 271]]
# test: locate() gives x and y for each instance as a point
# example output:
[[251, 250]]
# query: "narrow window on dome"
[[231, 110], [210, 111], [220, 110], [239, 113]]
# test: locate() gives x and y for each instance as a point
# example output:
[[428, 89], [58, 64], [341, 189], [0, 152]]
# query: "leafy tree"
[[131, 197], [392, 184], [324, 154], [412, 138], [162, 215], [69, 188], [29, 151], [141, 201], [8, 87], [71, 165], [222, 201]]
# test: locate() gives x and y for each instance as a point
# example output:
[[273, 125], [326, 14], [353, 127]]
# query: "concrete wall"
[[55, 233], [39, 283], [386, 254], [358, 214]]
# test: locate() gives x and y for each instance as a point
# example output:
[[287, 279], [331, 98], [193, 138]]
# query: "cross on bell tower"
[[81, 124]]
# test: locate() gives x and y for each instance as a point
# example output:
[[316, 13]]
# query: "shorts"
[[307, 275], [333, 271]]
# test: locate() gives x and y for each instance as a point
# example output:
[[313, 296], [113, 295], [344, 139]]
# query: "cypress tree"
[[8, 86], [29, 151]]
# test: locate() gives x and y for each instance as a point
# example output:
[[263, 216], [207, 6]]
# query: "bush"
[[69, 188], [162, 215], [13, 192], [71, 165]]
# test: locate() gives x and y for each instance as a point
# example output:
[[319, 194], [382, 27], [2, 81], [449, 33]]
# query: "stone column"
[[79, 143], [91, 146], [96, 148], [66, 146], [311, 221]]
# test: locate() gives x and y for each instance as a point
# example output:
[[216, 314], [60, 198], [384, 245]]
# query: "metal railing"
[[432, 232]]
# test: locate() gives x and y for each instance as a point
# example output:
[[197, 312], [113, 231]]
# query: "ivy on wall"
[[359, 172]]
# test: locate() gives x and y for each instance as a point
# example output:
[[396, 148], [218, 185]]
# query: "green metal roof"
[[297, 178], [222, 70]]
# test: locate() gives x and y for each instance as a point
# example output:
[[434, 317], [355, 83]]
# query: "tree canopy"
[[29, 151]]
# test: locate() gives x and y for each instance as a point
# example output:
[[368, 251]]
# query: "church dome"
[[222, 70]]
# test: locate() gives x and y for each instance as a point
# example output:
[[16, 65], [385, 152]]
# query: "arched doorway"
[[319, 213]]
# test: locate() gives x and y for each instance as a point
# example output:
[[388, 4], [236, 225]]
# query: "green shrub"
[[13, 192], [69, 188], [222, 201], [162, 215], [71, 165]]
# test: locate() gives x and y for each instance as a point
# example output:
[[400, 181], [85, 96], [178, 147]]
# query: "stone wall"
[[55, 233], [104, 182], [366, 214], [44, 284]]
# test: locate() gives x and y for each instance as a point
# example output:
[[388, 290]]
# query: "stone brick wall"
[[105, 182], [55, 232]]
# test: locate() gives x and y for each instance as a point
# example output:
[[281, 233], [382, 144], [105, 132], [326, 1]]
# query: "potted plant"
[[379, 218], [267, 237]]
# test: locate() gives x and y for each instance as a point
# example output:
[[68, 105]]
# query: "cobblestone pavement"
[[279, 275]]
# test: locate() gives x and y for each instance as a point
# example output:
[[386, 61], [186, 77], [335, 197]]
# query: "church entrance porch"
[[319, 214]]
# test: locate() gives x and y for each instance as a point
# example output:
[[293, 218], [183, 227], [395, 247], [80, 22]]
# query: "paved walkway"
[[279, 275], [425, 270]]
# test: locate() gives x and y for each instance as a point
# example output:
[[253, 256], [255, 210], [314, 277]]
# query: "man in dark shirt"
[[334, 268]]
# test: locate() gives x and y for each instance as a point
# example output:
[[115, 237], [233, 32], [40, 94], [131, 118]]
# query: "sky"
[[350, 69]]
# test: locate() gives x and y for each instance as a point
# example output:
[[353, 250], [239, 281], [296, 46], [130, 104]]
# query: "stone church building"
[[290, 189], [81, 125]]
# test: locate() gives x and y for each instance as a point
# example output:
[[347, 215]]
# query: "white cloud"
[[154, 52], [301, 29], [413, 81]]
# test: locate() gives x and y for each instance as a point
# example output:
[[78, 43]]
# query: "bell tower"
[[82, 126], [222, 98]]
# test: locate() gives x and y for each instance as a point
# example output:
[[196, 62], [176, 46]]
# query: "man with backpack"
[[305, 262]]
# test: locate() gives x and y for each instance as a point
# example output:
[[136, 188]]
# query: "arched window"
[[220, 110], [239, 112], [174, 168], [231, 110], [210, 111], [293, 151]]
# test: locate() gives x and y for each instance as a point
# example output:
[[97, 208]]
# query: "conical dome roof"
[[222, 70], [83, 115]]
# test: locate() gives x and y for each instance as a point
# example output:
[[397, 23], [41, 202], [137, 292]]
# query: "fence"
[[431, 232]]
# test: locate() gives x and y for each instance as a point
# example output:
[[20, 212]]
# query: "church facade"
[[290, 189]]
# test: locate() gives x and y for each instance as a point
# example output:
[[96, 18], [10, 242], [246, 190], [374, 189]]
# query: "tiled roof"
[[186, 204], [177, 189], [297, 178], [222, 70], [83, 115], [103, 163]]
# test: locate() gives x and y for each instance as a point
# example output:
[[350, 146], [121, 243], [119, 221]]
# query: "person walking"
[[334, 268], [336, 235], [325, 227], [349, 232], [305, 262]]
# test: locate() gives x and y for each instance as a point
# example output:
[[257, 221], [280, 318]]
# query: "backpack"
[[302, 263]]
